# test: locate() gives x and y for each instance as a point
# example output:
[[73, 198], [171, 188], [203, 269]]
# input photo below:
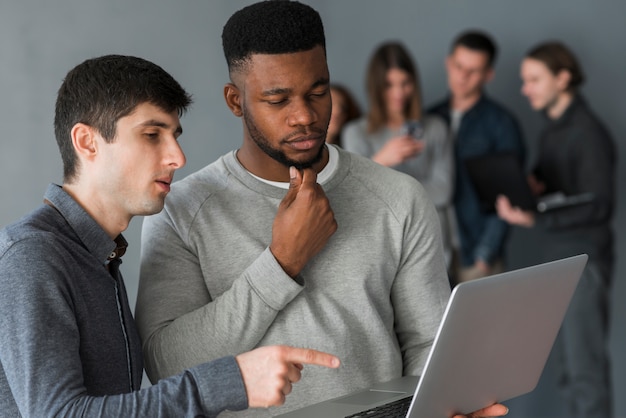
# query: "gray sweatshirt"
[[374, 296], [69, 344], [433, 167]]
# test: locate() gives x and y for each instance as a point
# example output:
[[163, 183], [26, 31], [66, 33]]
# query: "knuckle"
[[310, 356], [282, 351]]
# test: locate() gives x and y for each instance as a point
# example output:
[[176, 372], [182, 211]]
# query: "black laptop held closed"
[[502, 174]]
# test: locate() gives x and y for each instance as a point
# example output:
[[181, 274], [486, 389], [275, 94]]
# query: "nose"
[[301, 113], [465, 74], [175, 155]]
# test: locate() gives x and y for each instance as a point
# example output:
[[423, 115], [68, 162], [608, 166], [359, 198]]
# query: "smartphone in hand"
[[414, 128]]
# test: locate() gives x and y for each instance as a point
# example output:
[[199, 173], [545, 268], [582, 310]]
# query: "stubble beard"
[[264, 145]]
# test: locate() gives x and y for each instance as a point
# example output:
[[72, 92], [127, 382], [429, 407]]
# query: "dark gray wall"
[[41, 40]]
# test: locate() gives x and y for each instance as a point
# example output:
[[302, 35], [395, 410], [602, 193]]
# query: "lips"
[[164, 184], [306, 143]]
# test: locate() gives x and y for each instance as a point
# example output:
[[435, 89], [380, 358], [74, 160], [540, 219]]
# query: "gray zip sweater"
[[374, 296], [69, 344]]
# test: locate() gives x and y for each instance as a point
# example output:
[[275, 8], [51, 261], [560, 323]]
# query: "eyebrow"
[[159, 124], [323, 81]]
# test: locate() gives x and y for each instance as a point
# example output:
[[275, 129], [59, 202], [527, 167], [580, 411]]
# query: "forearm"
[[205, 390], [183, 325]]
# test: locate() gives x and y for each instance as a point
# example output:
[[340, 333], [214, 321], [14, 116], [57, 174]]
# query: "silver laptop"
[[492, 345]]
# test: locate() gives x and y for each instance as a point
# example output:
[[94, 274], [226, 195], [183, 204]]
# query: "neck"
[[268, 168], [104, 215], [462, 104], [560, 104]]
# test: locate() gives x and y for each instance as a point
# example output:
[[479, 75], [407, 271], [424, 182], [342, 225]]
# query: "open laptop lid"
[[495, 338], [492, 345]]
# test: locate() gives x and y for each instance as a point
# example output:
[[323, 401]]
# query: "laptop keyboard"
[[396, 409]]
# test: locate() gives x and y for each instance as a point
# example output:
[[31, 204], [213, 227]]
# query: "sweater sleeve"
[[421, 289], [591, 169], [42, 362], [181, 323]]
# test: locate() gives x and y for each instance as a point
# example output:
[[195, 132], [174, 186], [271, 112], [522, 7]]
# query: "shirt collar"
[[91, 234], [322, 177]]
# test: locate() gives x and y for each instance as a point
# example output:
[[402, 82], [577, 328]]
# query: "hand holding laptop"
[[513, 214], [507, 350], [496, 410]]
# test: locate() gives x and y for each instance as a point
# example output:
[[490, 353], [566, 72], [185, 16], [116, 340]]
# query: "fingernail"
[[335, 362], [292, 172]]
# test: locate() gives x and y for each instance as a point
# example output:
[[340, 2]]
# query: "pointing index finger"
[[309, 356]]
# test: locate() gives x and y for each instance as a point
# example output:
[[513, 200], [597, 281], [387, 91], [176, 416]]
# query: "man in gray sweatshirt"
[[355, 267], [69, 343]]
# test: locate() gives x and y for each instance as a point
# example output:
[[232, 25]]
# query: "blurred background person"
[[576, 156], [395, 133], [479, 126], [344, 109]]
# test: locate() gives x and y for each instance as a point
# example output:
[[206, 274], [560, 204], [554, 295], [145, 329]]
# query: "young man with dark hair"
[[70, 345], [479, 126], [576, 156], [287, 239]]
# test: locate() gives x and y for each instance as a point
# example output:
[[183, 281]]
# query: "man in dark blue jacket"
[[479, 126]]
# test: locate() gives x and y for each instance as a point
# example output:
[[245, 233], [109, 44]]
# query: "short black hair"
[[478, 41], [100, 91], [271, 27]]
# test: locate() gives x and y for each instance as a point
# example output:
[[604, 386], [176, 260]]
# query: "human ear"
[[491, 74], [563, 79], [232, 96], [84, 140]]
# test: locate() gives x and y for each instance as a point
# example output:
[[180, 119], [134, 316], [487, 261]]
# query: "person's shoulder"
[[588, 125], [439, 107], [37, 225], [383, 182], [355, 126], [436, 131], [434, 121], [495, 109], [31, 241], [199, 185], [584, 113], [189, 195]]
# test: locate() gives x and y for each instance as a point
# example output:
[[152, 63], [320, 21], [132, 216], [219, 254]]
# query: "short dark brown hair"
[[100, 91], [558, 57], [477, 40]]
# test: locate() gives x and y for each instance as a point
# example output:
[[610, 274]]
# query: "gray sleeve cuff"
[[275, 287], [220, 386]]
